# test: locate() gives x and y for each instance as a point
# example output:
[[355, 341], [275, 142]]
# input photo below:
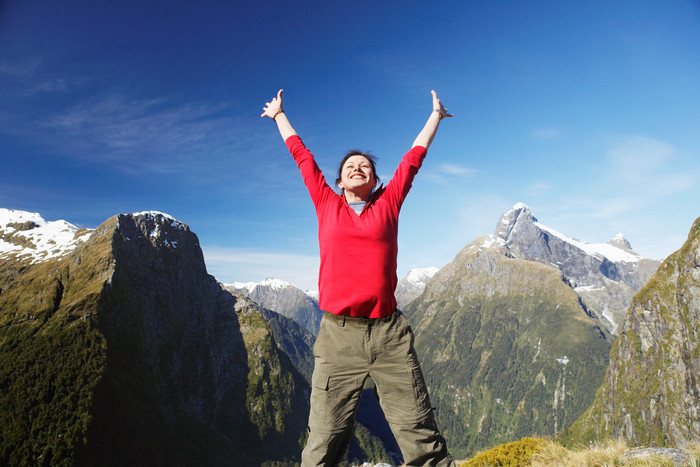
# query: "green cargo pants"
[[347, 351]]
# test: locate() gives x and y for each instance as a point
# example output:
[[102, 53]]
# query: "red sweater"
[[358, 253]]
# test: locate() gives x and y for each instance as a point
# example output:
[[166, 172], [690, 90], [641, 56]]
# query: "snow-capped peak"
[[249, 286], [313, 293], [152, 214], [28, 235], [275, 284], [420, 276]]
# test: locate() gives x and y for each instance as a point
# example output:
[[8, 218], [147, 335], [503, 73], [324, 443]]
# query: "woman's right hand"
[[274, 107]]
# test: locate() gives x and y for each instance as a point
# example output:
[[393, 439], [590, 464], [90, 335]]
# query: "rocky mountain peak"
[[621, 242], [519, 215], [162, 230], [605, 275]]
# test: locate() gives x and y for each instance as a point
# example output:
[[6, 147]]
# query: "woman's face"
[[357, 176]]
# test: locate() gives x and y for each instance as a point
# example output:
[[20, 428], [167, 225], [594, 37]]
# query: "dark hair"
[[356, 152]]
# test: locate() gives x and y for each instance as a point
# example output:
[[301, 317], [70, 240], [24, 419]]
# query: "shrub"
[[513, 454]]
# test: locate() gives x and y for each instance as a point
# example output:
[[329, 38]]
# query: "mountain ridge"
[[506, 346], [125, 342], [651, 390], [605, 275]]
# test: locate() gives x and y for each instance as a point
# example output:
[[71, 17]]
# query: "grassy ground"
[[545, 453]]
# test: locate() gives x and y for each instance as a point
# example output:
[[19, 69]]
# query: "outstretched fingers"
[[273, 107], [438, 107]]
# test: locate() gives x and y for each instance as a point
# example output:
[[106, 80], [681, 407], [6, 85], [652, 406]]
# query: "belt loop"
[[344, 318]]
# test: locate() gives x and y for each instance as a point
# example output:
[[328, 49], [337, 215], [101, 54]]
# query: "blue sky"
[[589, 112]]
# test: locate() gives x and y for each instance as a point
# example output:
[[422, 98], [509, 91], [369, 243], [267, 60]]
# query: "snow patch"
[[492, 240], [249, 286], [275, 284], [420, 276], [35, 237], [588, 288], [313, 293], [611, 319], [152, 214], [606, 250]]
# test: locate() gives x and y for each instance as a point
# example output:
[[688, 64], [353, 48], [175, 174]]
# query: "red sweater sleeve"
[[313, 176]]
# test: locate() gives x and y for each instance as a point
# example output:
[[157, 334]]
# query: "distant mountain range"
[[283, 298], [290, 301], [117, 347]]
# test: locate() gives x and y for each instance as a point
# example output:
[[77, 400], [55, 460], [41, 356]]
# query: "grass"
[[546, 453]]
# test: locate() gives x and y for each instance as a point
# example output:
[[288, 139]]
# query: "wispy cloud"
[[643, 163], [246, 265], [538, 189], [25, 79], [141, 135], [546, 133], [65, 116], [447, 171]]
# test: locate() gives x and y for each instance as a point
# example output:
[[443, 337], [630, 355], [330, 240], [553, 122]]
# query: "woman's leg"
[[403, 394], [340, 370]]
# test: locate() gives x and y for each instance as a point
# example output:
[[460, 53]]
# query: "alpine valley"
[[117, 347]]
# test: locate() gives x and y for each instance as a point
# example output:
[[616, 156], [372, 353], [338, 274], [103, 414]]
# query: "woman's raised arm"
[[273, 109], [425, 137]]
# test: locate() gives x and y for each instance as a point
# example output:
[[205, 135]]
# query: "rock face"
[[506, 346], [606, 276], [651, 391], [117, 348], [283, 298]]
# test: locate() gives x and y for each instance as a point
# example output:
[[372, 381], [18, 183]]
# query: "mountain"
[[412, 285], [283, 298], [605, 275], [651, 390], [372, 438], [291, 338], [302, 307], [507, 347], [117, 347]]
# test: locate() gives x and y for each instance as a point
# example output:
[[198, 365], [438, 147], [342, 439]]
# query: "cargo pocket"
[[319, 398], [420, 390]]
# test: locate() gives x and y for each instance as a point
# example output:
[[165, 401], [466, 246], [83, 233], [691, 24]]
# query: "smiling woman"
[[358, 173], [362, 333]]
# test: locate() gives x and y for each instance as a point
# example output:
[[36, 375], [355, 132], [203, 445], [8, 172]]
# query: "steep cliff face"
[[131, 353], [507, 348], [606, 276], [651, 391]]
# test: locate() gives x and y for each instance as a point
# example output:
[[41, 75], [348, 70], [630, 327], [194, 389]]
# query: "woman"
[[362, 333]]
